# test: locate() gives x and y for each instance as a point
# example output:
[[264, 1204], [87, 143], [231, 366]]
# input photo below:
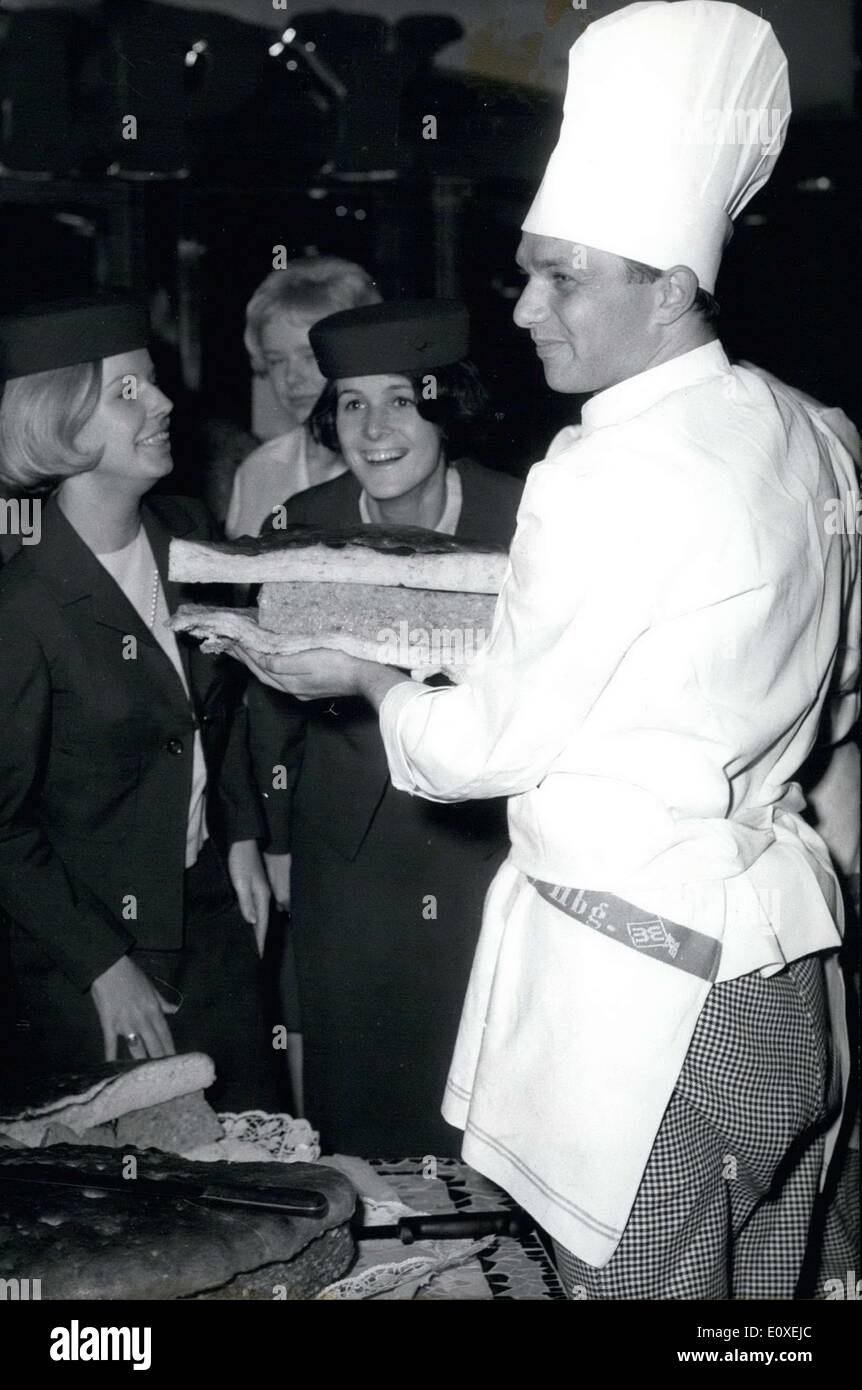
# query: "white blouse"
[[135, 571], [270, 475], [448, 523]]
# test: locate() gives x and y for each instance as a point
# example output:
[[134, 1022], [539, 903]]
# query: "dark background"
[[245, 142]]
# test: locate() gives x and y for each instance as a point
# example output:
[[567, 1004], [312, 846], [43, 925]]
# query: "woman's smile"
[[157, 439], [376, 457]]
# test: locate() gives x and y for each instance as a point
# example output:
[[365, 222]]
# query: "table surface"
[[508, 1268]]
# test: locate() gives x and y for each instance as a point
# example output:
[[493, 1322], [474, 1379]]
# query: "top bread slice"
[[362, 554]]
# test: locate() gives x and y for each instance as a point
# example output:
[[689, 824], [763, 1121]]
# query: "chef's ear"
[[675, 293]]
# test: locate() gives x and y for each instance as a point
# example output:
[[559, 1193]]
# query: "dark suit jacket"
[[96, 752], [338, 747]]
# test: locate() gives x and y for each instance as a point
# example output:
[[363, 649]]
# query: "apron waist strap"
[[620, 921]]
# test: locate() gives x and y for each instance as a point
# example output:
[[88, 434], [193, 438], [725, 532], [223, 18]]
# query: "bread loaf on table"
[[91, 1244], [84, 1100]]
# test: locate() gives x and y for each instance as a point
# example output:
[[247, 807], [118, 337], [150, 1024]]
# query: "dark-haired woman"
[[129, 864], [386, 890]]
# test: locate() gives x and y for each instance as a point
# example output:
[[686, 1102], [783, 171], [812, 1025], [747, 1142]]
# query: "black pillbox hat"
[[47, 336], [410, 335]]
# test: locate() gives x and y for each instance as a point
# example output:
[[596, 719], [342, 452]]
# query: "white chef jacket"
[[663, 646], [272, 474]]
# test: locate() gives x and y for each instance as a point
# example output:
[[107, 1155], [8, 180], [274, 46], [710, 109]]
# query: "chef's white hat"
[[675, 114]]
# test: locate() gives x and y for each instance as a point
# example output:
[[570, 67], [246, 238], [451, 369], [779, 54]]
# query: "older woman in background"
[[278, 318]]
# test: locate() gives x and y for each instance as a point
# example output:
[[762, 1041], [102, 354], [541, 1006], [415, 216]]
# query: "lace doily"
[[385, 1213], [405, 1276], [281, 1136]]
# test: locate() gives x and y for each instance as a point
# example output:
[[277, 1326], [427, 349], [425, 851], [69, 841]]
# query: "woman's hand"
[[129, 1006], [247, 874], [278, 873], [321, 674]]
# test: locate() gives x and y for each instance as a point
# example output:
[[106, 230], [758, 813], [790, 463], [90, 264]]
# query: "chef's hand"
[[247, 874], [321, 674], [129, 1006], [278, 873]]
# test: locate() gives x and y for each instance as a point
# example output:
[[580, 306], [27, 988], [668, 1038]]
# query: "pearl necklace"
[[155, 602]]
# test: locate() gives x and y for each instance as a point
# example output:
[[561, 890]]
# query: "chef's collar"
[[637, 393]]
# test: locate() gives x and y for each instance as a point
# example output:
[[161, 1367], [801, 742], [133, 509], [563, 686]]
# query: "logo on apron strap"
[[686, 949], [646, 935]]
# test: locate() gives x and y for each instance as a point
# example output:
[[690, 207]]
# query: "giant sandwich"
[[402, 595]]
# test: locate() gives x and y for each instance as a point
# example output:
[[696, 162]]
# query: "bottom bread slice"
[[422, 650], [375, 611]]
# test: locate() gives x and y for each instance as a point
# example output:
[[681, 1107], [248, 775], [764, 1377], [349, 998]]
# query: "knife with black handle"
[[455, 1225], [292, 1201]]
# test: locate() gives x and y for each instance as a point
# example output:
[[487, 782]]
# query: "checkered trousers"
[[726, 1200]]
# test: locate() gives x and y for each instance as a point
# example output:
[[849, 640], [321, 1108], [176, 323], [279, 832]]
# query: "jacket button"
[[174, 746]]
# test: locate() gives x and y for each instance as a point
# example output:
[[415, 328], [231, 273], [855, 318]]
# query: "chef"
[[645, 1059]]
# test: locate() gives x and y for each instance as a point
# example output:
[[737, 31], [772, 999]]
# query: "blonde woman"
[[279, 315], [130, 876]]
